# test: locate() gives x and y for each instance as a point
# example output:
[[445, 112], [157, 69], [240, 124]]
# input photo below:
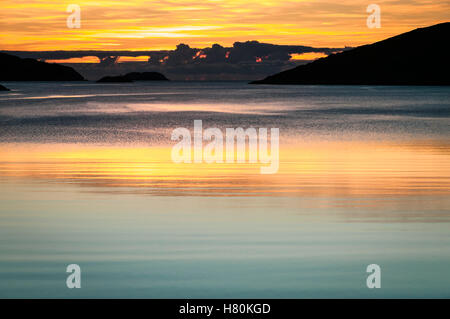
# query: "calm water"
[[86, 177]]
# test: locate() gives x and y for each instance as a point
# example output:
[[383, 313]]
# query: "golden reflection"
[[320, 169]]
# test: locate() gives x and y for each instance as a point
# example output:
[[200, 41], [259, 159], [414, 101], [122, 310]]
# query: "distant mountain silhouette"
[[2, 88], [418, 57], [146, 76], [13, 68], [134, 76]]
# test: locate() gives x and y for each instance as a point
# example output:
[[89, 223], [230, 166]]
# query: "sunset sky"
[[156, 25]]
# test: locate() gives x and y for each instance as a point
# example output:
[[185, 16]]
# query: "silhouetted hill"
[[146, 76], [418, 57], [114, 79], [2, 88], [13, 68], [134, 76]]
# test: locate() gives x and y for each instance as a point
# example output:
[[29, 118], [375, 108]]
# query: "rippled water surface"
[[86, 177]]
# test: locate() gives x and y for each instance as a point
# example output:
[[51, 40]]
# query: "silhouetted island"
[[2, 88], [418, 57], [134, 76], [114, 79], [13, 68]]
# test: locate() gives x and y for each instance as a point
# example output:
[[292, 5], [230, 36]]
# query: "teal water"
[[163, 247], [309, 233]]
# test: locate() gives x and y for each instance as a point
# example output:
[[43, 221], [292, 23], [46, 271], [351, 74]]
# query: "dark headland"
[[134, 76], [418, 57], [2, 88], [13, 68]]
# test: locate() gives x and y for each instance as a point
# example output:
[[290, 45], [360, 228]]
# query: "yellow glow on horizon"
[[85, 59], [142, 58], [308, 56]]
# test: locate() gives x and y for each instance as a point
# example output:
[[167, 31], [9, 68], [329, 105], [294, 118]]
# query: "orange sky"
[[153, 25]]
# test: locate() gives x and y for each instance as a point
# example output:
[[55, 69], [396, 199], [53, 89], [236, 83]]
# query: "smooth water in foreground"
[[86, 177]]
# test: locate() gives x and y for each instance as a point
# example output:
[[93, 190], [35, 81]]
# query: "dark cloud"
[[243, 61]]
